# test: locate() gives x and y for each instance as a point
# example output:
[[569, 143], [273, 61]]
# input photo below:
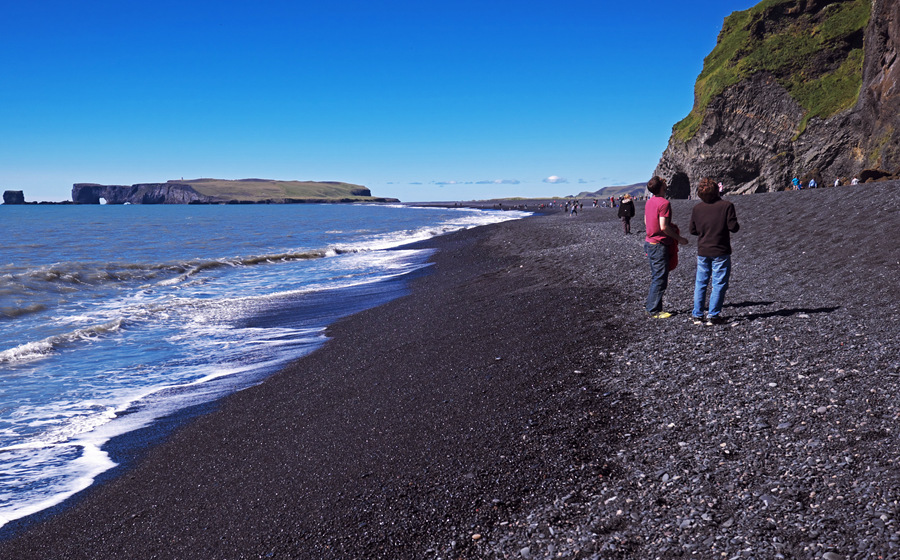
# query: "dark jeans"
[[658, 255], [626, 221]]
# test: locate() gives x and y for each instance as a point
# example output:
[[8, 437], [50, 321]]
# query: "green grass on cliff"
[[259, 189], [817, 57]]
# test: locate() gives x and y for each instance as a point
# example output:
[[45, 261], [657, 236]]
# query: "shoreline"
[[519, 395], [455, 258]]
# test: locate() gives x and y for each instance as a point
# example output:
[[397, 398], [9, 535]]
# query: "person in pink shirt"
[[662, 235]]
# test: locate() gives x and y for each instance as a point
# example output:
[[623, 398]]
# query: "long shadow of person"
[[750, 304], [789, 312]]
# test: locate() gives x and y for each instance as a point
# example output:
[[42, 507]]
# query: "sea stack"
[[13, 197]]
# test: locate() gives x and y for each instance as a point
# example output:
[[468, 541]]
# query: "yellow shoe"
[[660, 315]]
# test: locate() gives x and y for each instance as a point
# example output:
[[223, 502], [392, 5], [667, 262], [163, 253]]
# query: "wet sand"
[[518, 403]]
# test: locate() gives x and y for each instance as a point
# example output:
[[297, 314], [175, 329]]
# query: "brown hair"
[[656, 184], [708, 190]]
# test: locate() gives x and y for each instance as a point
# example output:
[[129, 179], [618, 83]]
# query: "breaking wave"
[[40, 348]]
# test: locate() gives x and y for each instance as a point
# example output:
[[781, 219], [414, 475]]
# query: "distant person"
[[713, 220], [660, 239], [813, 184], [796, 182], [626, 212], [855, 181], [837, 182]]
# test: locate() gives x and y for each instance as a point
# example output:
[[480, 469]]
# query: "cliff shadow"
[[679, 186]]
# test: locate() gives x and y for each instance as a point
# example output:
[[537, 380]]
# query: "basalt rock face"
[[254, 192], [147, 193], [741, 132], [879, 100], [755, 135], [13, 197]]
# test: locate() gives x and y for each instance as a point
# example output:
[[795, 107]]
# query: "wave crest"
[[35, 350], [13, 312]]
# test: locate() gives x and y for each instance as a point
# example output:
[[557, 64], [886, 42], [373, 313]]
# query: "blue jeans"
[[717, 269], [658, 255]]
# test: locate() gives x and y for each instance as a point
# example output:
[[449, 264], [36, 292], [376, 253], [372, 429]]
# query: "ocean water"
[[112, 317]]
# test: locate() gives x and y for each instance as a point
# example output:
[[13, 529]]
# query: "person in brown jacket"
[[713, 220], [626, 212]]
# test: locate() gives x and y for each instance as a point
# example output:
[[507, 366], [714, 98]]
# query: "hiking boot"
[[697, 320], [710, 321], [660, 315]]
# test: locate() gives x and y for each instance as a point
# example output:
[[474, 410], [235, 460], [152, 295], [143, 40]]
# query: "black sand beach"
[[519, 404]]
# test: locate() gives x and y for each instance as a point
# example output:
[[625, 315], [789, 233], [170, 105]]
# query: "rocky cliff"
[[148, 193], [217, 191], [13, 197], [793, 88]]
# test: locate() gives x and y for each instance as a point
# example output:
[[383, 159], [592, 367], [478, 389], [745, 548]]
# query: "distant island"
[[222, 191]]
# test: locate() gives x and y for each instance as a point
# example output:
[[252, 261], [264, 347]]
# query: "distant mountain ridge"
[[636, 189], [224, 191], [793, 88]]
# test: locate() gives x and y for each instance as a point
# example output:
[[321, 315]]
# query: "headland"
[[221, 191], [213, 191]]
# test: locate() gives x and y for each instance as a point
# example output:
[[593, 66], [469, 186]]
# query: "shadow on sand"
[[788, 313], [750, 304]]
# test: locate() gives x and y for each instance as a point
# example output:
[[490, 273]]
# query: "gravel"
[[772, 436]]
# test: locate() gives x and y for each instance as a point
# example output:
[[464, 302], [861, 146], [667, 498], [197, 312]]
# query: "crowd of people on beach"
[[798, 185]]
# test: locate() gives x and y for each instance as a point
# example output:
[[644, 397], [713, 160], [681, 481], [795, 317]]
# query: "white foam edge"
[[93, 462], [311, 288], [319, 287], [476, 218]]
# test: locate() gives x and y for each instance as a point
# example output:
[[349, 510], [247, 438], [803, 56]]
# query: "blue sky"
[[424, 100]]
